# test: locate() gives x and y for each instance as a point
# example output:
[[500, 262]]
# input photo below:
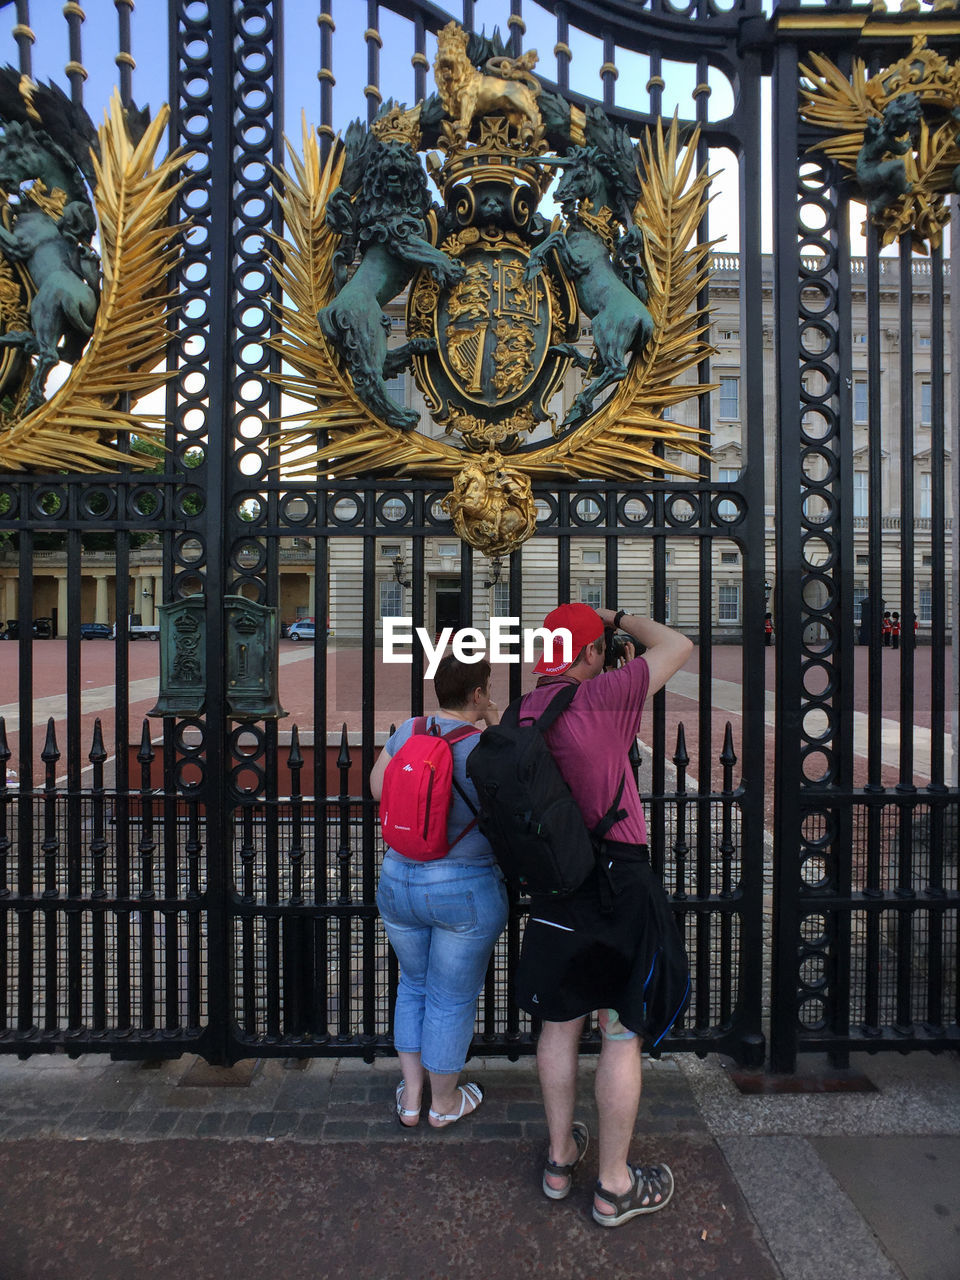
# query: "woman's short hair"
[[455, 681]]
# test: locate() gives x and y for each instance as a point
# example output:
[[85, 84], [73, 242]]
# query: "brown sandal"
[[651, 1190], [581, 1137]]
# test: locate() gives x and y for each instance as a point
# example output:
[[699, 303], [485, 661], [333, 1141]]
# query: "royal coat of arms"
[[495, 292]]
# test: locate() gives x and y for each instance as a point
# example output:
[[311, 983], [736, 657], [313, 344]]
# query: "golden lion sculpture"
[[468, 94]]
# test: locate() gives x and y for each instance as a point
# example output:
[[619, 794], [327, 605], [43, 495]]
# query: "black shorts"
[[613, 945]]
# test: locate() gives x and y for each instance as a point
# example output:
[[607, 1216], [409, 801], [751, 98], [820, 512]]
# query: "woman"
[[442, 918]]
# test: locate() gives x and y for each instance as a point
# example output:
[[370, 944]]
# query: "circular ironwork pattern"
[[821, 617]]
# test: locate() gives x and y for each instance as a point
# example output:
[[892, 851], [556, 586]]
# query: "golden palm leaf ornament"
[[77, 427]]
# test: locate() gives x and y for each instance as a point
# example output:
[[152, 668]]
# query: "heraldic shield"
[[495, 292], [493, 329]]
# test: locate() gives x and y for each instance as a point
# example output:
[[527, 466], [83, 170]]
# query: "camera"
[[615, 651]]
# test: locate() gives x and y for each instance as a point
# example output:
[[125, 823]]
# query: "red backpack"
[[417, 790]]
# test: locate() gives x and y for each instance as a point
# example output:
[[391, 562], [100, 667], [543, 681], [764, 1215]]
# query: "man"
[[613, 945]]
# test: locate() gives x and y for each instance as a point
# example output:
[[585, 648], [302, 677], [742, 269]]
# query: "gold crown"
[[399, 125], [934, 80]]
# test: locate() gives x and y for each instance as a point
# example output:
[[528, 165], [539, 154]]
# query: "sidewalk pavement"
[[274, 1169]]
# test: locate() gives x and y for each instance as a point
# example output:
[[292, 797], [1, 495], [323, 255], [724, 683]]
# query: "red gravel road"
[[97, 678]]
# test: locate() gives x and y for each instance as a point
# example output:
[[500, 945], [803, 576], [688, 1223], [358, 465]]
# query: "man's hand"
[[491, 714]]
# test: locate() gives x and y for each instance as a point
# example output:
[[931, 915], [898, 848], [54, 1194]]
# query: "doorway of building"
[[447, 603]]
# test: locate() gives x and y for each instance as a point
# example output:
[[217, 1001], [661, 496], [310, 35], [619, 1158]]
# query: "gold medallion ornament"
[[105, 314], [496, 296], [898, 135]]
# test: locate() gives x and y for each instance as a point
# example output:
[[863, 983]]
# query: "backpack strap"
[[457, 735], [558, 704], [614, 814]]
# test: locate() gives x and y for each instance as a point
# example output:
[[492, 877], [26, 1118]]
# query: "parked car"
[[96, 631], [302, 629]]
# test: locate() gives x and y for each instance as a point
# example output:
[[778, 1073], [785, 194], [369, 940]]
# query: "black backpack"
[[527, 811]]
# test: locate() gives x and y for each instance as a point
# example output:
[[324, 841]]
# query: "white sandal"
[[404, 1115], [469, 1093]]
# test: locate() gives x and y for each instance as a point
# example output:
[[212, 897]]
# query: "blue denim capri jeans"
[[442, 920]]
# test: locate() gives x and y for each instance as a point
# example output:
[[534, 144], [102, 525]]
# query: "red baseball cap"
[[584, 625]]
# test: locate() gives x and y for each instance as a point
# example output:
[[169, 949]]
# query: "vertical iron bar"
[[562, 48], [344, 896], [907, 522], [374, 43], [517, 27], [419, 60], [124, 58], [26, 1018], [365, 928], [608, 71], [98, 852], [24, 36], [50, 849], [938, 542], [248, 922], [219, 26], [146, 849], [74, 807], [6, 844], [727, 849], [326, 77], [76, 73], [783, 1021], [875, 523], [843, 575]]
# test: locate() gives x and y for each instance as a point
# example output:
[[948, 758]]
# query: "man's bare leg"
[[618, 1084], [557, 1056]]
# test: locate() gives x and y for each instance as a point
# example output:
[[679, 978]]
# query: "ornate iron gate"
[[212, 888]]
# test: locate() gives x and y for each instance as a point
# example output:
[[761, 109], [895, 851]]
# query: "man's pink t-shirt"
[[591, 739]]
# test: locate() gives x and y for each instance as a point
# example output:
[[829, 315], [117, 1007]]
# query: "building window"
[[923, 340], [501, 599], [729, 557], [397, 388], [859, 594], [728, 335], [863, 561], [394, 509], [926, 496], [861, 493], [727, 510], [860, 339], [591, 556], [925, 606], [391, 599], [861, 403], [390, 550], [728, 603], [591, 595], [926, 409], [729, 402]]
